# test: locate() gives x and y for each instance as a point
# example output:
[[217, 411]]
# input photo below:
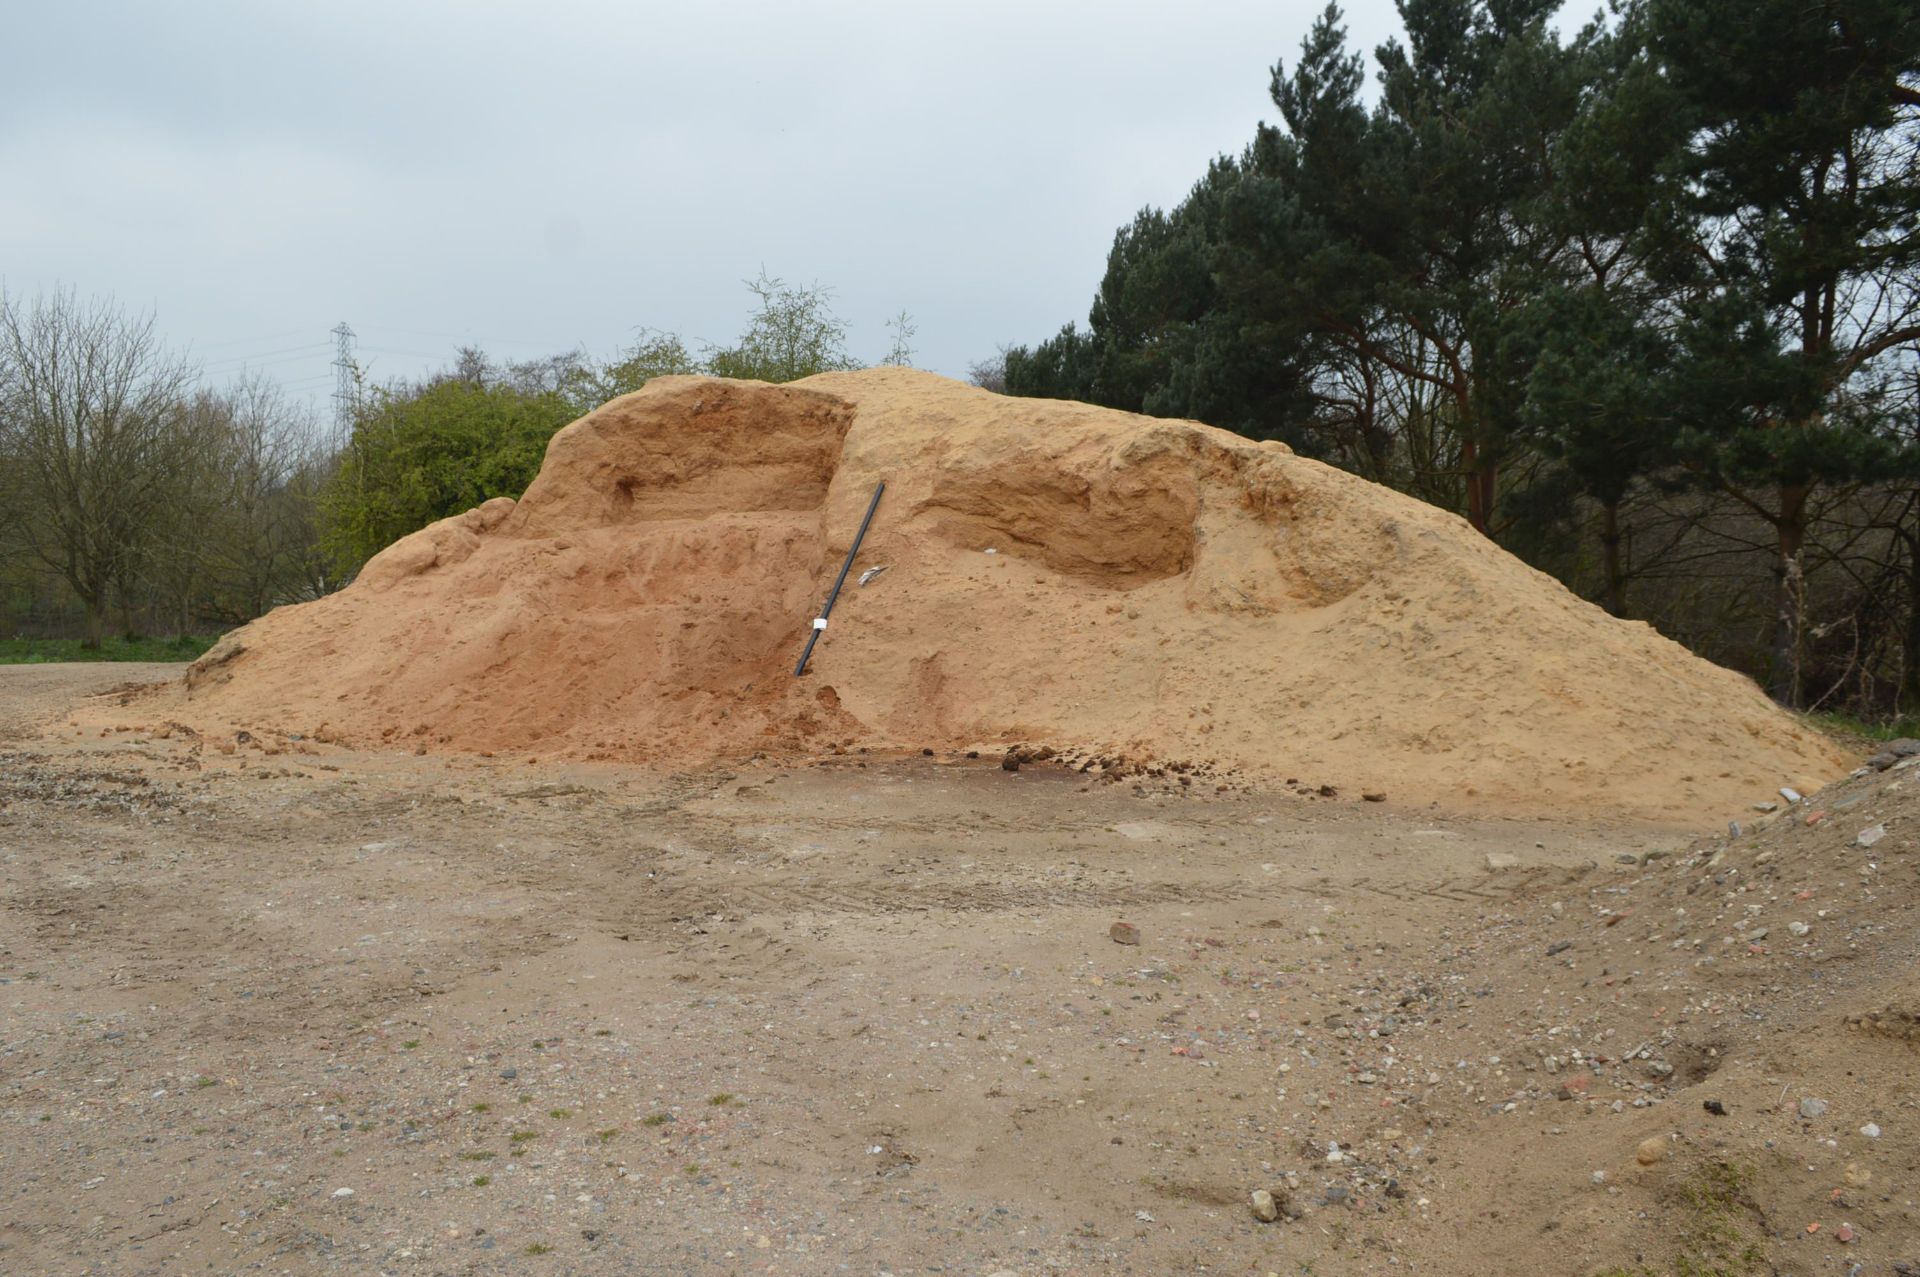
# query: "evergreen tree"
[[1794, 250]]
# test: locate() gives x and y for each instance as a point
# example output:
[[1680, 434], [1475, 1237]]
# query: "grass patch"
[[1712, 1237], [606, 1136], [521, 1137], [483, 1108], [721, 1100], [560, 1115], [19, 651], [477, 1157], [537, 1248], [1863, 732], [656, 1119], [481, 1181]]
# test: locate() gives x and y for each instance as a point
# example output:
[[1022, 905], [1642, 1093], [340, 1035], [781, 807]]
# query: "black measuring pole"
[[820, 622]]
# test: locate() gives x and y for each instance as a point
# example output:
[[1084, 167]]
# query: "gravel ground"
[[274, 1007]]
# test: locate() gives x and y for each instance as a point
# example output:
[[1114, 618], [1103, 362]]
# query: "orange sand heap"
[[1055, 574]]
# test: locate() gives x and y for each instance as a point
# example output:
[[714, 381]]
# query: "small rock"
[[343, 1192], [1844, 1233], [1652, 1149], [1791, 795], [1798, 928], [1124, 933], [1812, 1108], [509, 1074], [1337, 1195], [1715, 1107], [1373, 798], [1868, 837], [1871, 1130], [1501, 860], [1265, 1208], [1011, 763], [1733, 829], [1559, 946], [1766, 807]]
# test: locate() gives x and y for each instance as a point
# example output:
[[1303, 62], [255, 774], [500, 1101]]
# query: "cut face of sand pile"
[[1156, 590]]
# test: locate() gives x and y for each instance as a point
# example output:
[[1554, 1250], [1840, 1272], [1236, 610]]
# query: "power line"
[[470, 338], [248, 341], [267, 354]]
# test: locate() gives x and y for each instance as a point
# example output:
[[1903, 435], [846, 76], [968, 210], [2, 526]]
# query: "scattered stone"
[[1652, 1149], [1868, 837], [1764, 807], [1798, 928], [509, 1074], [1501, 860], [343, 1192], [1265, 1208], [1715, 1107], [1844, 1233], [1815, 817], [1011, 763], [1559, 946], [1871, 1130], [1812, 1108], [1124, 933], [1791, 795], [1373, 798], [1337, 1195], [1733, 829], [1627, 858]]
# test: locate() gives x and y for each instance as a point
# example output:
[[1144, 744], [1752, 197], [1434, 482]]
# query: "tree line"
[[136, 498], [1641, 303]]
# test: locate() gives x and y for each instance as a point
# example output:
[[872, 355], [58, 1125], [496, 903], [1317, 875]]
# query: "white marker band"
[[819, 622]]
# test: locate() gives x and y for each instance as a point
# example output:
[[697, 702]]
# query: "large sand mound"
[[1056, 574]]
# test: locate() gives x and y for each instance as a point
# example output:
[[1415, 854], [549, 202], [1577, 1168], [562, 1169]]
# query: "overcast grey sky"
[[533, 177]]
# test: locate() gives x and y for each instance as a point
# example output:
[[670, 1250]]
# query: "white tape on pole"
[[819, 622]]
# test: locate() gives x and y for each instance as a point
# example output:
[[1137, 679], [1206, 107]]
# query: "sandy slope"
[[1138, 589]]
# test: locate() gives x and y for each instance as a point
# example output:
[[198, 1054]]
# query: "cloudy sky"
[[533, 177]]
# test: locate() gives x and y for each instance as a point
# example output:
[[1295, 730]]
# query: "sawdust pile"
[[1055, 574]]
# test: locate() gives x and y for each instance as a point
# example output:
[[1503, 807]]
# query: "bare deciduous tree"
[[90, 414]]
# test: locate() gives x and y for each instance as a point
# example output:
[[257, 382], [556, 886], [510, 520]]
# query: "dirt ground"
[[268, 1006]]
